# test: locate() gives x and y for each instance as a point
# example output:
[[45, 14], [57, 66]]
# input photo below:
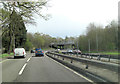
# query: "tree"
[[16, 31], [91, 35], [101, 39], [111, 35], [83, 43], [40, 40], [21, 12], [28, 45]]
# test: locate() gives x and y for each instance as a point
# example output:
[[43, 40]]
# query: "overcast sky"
[[71, 17]]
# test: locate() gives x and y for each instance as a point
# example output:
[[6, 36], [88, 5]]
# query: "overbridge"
[[62, 45]]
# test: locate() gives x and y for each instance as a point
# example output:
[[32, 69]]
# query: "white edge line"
[[28, 59], [73, 71], [22, 69], [3, 60]]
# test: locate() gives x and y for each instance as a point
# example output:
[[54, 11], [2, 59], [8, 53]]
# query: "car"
[[39, 52], [70, 51], [58, 49], [77, 51], [19, 52], [32, 51]]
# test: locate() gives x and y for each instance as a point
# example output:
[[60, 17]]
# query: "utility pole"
[[89, 46], [86, 67], [77, 48], [97, 41]]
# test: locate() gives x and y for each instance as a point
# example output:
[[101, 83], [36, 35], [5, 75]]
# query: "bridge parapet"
[[62, 45]]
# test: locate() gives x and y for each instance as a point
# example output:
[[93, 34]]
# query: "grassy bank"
[[111, 53], [5, 55], [107, 53]]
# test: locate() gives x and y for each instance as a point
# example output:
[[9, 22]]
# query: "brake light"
[[23, 52], [42, 52]]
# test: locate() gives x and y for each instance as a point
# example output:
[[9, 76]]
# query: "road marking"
[[28, 59], [22, 69], [3, 61], [73, 71]]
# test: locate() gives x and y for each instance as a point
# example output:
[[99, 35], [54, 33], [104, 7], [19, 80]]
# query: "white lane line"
[[22, 69], [28, 59], [3, 61], [73, 71]]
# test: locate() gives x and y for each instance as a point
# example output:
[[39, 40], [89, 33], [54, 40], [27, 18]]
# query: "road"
[[37, 69]]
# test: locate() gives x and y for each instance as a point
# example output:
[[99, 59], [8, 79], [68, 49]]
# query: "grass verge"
[[106, 53], [5, 55]]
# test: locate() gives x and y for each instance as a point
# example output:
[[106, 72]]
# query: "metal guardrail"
[[97, 79], [103, 56], [99, 56], [112, 67]]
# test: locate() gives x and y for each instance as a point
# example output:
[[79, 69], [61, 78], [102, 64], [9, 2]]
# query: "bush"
[[28, 45]]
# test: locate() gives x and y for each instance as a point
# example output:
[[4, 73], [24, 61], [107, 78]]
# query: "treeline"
[[40, 40], [99, 38]]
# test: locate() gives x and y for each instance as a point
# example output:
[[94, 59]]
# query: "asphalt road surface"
[[37, 69]]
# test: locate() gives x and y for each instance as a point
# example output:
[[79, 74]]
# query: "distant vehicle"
[[19, 52], [58, 49], [32, 51], [70, 51], [77, 51], [39, 52]]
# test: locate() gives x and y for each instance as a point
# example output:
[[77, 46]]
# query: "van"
[[19, 52]]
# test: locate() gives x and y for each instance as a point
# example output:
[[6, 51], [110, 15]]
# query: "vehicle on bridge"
[[77, 52], [39, 52], [70, 51], [19, 52]]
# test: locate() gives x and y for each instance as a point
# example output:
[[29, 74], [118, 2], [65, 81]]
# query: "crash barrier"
[[94, 77], [99, 56], [109, 66], [103, 56]]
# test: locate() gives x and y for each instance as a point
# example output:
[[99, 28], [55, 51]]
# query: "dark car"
[[39, 52], [32, 51]]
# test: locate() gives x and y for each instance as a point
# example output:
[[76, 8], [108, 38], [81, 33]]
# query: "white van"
[[18, 52]]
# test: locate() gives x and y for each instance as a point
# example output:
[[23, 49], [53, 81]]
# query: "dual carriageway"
[[44, 69]]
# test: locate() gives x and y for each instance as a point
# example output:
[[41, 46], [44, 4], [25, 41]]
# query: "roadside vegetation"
[[111, 53], [15, 15], [6, 55], [99, 38], [105, 53]]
